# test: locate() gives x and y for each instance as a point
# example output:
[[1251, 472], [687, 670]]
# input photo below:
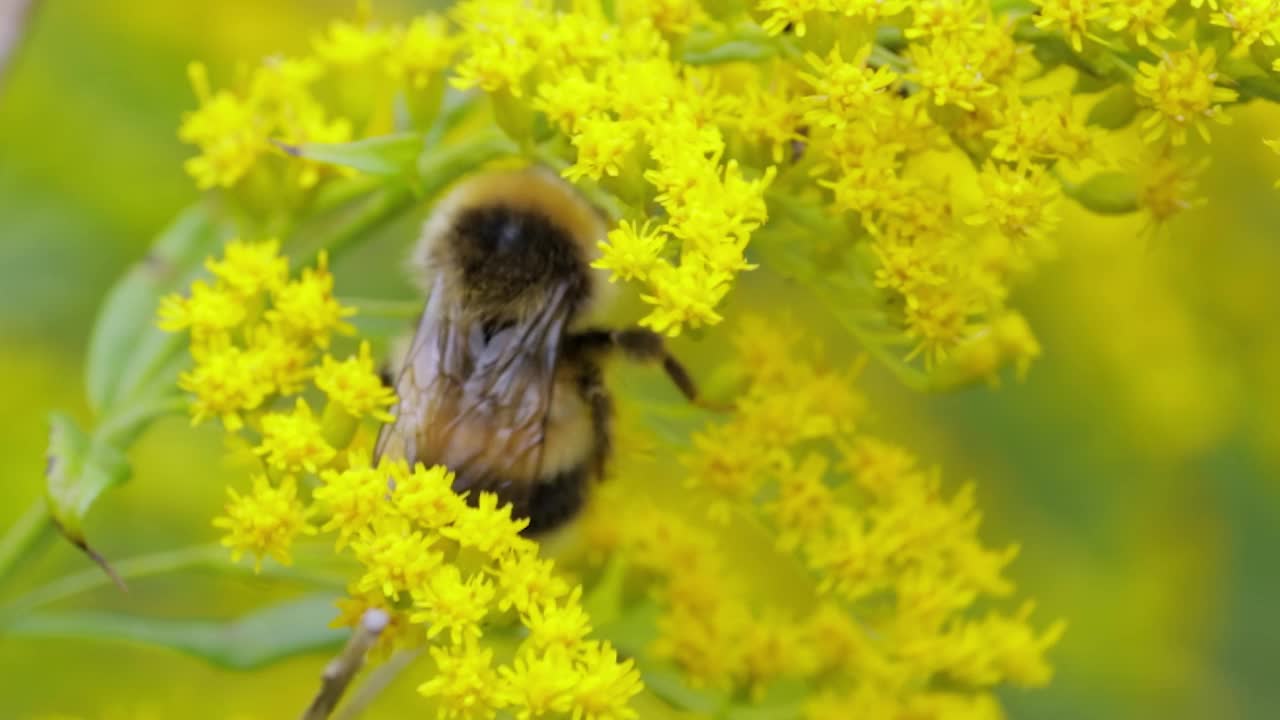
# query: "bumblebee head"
[[505, 242]]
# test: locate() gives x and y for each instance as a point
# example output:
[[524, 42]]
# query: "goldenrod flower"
[[448, 602], [1074, 17], [931, 18], [499, 51], [488, 528], [279, 362], [208, 313], [1182, 92], [557, 624], [347, 44], [354, 384], [424, 495], [305, 308], [418, 53], [264, 522], [397, 558], [684, 295], [225, 383], [787, 15], [464, 682], [249, 268], [1038, 131], [603, 147], [630, 251], [950, 70], [1167, 186], [803, 508], [674, 17], [605, 685], [570, 98], [1250, 21], [227, 130], [846, 92], [353, 497], [526, 581], [293, 441], [1143, 19], [1019, 202], [536, 685]]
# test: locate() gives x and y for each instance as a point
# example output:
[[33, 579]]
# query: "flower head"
[[463, 682], [355, 385], [1182, 93], [293, 441], [305, 308], [264, 522], [248, 268]]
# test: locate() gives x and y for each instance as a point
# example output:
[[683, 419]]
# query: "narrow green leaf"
[[604, 603], [125, 346], [79, 468], [1258, 87], [730, 51], [783, 699], [1116, 109], [667, 683], [1106, 193], [251, 641], [387, 155]]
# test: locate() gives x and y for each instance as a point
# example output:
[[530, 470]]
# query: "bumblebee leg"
[[648, 346], [640, 345]]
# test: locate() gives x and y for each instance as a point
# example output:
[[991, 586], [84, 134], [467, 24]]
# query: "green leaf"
[[604, 603], [251, 641], [387, 155], [783, 698], [1116, 109], [1258, 87], [1106, 193], [667, 683], [731, 51], [79, 468], [126, 347]]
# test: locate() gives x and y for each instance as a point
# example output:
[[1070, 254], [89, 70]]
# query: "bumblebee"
[[502, 381]]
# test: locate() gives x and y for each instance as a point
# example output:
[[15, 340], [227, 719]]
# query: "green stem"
[[33, 525], [120, 429]]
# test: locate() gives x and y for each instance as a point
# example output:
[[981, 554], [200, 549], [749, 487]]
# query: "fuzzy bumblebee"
[[502, 382]]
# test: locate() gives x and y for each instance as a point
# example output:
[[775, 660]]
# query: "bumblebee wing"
[[477, 402]]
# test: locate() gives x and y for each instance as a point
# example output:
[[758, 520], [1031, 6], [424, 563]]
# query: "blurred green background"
[[1138, 466]]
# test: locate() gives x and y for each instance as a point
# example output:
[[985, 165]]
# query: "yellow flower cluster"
[[254, 335], [908, 158], [902, 582], [445, 571]]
